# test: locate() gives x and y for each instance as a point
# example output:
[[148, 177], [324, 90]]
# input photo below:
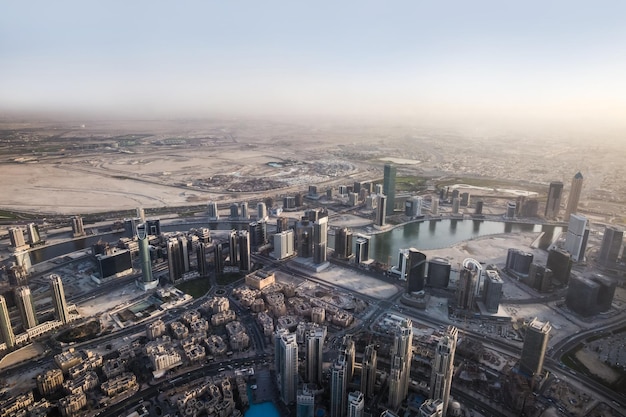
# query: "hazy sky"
[[532, 60]]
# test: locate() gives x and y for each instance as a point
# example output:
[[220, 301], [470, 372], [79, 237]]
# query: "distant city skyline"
[[557, 62]]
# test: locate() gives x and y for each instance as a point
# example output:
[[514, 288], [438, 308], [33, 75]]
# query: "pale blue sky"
[[526, 60]]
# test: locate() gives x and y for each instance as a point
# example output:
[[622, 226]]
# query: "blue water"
[[445, 233], [262, 410]]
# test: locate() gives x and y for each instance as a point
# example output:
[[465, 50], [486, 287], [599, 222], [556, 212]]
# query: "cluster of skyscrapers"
[[343, 401], [28, 315]]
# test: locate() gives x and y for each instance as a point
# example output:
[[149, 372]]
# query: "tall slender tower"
[[534, 348], [611, 245], [443, 367], [147, 280], [78, 229], [381, 210], [553, 205], [6, 330], [401, 356], [261, 211], [175, 260], [368, 371], [286, 361], [58, 299], [574, 195], [338, 386], [26, 307], [389, 187], [244, 250], [314, 349]]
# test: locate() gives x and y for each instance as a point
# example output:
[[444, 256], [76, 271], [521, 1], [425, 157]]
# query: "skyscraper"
[[576, 238], [492, 291], [203, 267], [147, 279], [261, 211], [244, 210], [232, 248], [6, 331], [466, 288], [611, 245], [306, 403], [356, 404], [314, 350], [574, 195], [534, 348], [338, 386], [33, 234], [244, 251], [443, 367], [368, 371], [212, 211], [381, 210], [175, 260], [16, 236], [416, 271], [362, 253], [25, 305], [58, 299], [320, 239], [286, 361], [553, 205], [389, 187], [401, 356], [78, 228], [431, 408], [343, 243], [395, 380], [560, 262]]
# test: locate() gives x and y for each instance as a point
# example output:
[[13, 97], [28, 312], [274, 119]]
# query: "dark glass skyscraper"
[[553, 205], [389, 187]]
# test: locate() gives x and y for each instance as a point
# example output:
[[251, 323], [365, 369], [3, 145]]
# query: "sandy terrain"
[[359, 283], [599, 369]]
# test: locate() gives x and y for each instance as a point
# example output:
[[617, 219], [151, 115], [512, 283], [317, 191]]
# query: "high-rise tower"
[[343, 243], [261, 211], [212, 211], [416, 271], [244, 250], [286, 361], [443, 367], [58, 299], [368, 371], [25, 305], [389, 187], [78, 229], [320, 239], [16, 236], [338, 386], [401, 356], [147, 280], [553, 205], [534, 348], [6, 331], [174, 259], [314, 349], [576, 237], [611, 245], [574, 195], [381, 210], [466, 288]]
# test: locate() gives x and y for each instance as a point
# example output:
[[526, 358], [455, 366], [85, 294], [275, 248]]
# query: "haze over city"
[[329, 209], [559, 64]]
